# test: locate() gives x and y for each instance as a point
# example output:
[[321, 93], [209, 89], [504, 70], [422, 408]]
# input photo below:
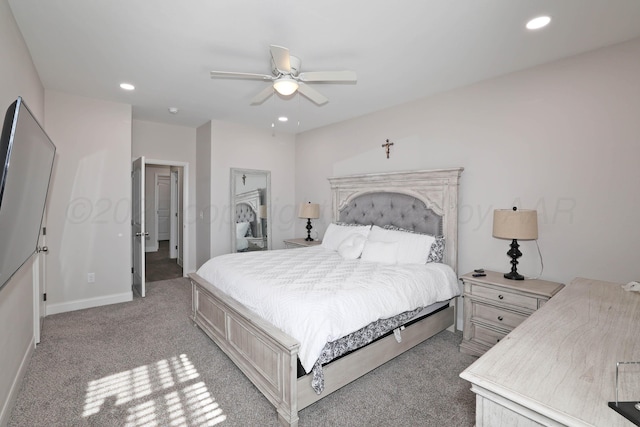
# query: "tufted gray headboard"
[[422, 201], [244, 213], [246, 210], [397, 209]]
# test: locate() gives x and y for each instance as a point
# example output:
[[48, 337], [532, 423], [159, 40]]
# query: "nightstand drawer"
[[505, 297], [488, 336], [497, 316]]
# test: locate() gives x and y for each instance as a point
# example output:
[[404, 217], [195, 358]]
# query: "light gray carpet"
[[143, 363]]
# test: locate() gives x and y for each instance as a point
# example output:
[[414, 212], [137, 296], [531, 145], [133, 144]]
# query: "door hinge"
[[44, 231], [44, 296], [131, 270], [176, 247]]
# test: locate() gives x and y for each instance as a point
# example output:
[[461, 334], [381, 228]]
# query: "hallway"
[[158, 265]]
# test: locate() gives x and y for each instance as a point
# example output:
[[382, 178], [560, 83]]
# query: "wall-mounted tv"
[[26, 161]]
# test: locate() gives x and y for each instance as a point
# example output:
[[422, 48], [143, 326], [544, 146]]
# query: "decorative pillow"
[[413, 248], [382, 252], [241, 229], [436, 254], [352, 246], [336, 234]]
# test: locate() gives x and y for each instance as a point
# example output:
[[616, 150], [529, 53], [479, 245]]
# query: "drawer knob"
[[501, 296], [498, 340], [500, 318]]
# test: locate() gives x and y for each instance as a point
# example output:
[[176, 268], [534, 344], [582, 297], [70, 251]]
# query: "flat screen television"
[[26, 162]]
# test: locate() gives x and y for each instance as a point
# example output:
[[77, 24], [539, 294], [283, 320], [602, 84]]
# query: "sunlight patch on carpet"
[[154, 395]]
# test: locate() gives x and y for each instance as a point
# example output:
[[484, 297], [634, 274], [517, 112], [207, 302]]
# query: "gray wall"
[[562, 138], [18, 77], [203, 194]]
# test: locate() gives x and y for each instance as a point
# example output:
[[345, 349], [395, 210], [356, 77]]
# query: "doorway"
[[164, 231], [162, 198]]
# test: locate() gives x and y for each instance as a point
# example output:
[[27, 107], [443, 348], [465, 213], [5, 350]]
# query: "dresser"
[[300, 243], [558, 367], [494, 306]]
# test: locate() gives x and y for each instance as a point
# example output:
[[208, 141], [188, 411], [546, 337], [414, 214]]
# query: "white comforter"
[[316, 296]]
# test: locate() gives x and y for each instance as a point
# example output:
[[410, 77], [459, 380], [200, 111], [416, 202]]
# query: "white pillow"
[[382, 252], [241, 229], [337, 234], [352, 246], [413, 248]]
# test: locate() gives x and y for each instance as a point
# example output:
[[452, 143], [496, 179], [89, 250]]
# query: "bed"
[[421, 201], [248, 222]]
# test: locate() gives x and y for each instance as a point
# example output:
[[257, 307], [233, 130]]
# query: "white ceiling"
[[401, 50]]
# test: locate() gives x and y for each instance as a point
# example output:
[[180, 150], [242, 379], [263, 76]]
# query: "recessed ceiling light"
[[283, 118], [127, 86], [539, 22], [173, 110]]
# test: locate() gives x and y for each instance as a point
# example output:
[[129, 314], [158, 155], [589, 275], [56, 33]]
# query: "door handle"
[[139, 234], [43, 249]]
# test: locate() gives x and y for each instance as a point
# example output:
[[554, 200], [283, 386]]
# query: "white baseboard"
[[89, 303], [5, 413], [152, 248]]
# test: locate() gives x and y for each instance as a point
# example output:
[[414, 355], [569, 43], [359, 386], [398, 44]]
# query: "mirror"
[[250, 210]]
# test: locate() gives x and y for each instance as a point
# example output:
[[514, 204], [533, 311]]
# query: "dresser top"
[[561, 361]]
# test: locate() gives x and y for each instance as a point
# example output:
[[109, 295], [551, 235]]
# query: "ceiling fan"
[[286, 77]]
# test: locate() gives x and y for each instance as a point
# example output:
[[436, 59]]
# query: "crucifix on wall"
[[387, 147]]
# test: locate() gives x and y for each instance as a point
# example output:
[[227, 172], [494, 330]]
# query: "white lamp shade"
[[309, 210], [519, 224], [263, 211], [285, 86]]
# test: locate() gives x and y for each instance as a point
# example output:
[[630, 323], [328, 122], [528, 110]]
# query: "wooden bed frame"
[[268, 356]]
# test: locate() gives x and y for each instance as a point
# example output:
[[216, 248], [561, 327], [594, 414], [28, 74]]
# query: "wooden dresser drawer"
[[504, 297], [497, 316]]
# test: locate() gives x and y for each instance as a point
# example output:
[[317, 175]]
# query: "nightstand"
[[494, 306], [258, 242], [300, 243]]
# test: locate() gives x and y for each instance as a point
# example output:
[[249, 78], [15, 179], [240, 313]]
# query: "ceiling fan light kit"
[[286, 77], [285, 86]]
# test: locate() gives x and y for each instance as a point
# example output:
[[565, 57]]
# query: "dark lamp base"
[[513, 276], [309, 238], [514, 253]]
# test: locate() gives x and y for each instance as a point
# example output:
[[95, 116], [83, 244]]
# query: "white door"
[[138, 233], [163, 206], [39, 285], [173, 240]]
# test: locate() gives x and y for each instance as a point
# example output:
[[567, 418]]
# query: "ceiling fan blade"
[[281, 60], [328, 76], [236, 75], [262, 96], [312, 94]]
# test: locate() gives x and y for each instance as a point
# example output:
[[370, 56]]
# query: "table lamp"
[[515, 225], [309, 211]]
